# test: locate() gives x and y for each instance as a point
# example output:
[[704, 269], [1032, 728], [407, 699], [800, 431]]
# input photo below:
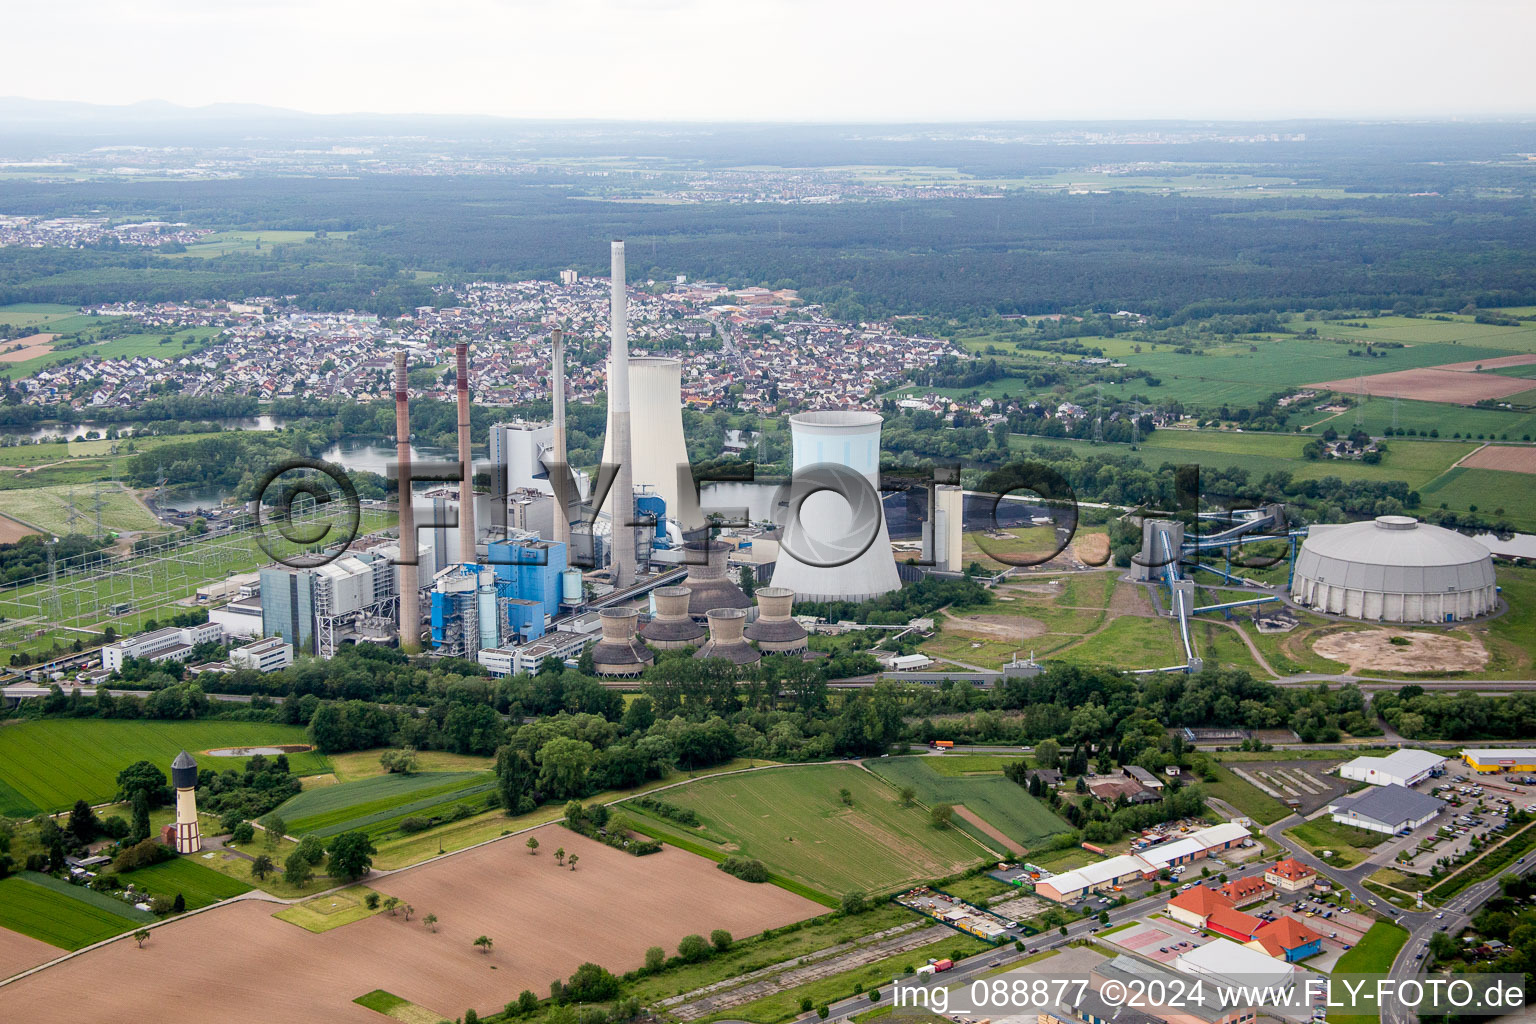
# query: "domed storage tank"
[[1394, 569]]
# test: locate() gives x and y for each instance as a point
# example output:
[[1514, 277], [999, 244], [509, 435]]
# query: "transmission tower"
[[55, 608], [98, 502], [71, 513]]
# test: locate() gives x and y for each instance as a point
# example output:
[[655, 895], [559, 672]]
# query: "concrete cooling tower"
[[656, 424], [775, 630], [672, 628], [834, 548], [620, 652], [726, 639]]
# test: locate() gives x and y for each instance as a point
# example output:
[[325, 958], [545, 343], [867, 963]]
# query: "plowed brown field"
[[237, 963]]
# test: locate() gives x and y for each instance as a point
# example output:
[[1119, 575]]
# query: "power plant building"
[[348, 600], [1394, 569]]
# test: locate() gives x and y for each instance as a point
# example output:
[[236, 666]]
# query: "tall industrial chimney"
[[467, 485], [410, 614], [564, 477], [622, 505]]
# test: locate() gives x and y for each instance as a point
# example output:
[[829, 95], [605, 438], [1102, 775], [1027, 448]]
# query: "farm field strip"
[[1001, 802], [370, 803], [53, 917], [198, 884], [49, 764]]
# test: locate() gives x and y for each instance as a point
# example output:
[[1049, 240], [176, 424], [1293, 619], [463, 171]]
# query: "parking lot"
[[1339, 932], [1157, 938], [1304, 780]]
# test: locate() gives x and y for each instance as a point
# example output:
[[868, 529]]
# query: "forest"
[[1022, 253]]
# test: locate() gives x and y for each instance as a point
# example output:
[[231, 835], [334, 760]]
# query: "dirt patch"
[[1006, 627], [30, 347], [237, 963], [1510, 458], [1489, 364], [1373, 650], [975, 819], [12, 531], [1092, 549], [18, 952], [1430, 384]]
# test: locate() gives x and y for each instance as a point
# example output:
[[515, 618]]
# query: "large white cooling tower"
[[656, 422], [814, 555]]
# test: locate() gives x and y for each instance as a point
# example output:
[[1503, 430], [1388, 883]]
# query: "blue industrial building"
[[528, 569]]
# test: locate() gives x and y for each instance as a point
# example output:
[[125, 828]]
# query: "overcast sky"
[[799, 60]]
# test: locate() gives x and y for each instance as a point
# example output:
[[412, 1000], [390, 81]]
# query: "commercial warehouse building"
[[1073, 885], [1500, 759], [1234, 964], [1400, 768], [1389, 809]]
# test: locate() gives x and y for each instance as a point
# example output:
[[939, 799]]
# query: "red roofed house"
[[1243, 891], [1288, 939], [1234, 924], [1195, 906], [1290, 875]]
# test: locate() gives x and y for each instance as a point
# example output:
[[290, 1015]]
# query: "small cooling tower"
[[709, 582], [620, 652], [834, 548], [775, 631], [672, 627], [726, 639], [656, 419]]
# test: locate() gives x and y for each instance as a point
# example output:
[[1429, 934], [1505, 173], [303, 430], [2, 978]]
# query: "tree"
[[564, 763], [571, 860], [277, 828], [140, 935], [533, 844], [139, 830], [391, 904], [853, 903], [313, 848], [430, 921], [82, 822], [560, 855], [297, 871], [655, 958], [242, 833], [484, 943], [142, 777], [1103, 917], [1048, 753], [527, 1002], [845, 796], [402, 761], [179, 904], [693, 948], [371, 901], [261, 867], [823, 1011], [941, 815], [720, 939], [471, 1017], [908, 795], [874, 995], [351, 855], [407, 910]]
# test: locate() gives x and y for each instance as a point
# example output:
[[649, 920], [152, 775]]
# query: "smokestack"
[[410, 614], [467, 485], [622, 506], [557, 391]]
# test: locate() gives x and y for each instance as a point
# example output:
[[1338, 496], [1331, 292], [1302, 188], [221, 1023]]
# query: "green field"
[[1003, 804], [377, 805], [58, 914], [793, 820], [48, 509], [199, 885], [1375, 951], [127, 346], [48, 764], [1492, 493], [222, 243]]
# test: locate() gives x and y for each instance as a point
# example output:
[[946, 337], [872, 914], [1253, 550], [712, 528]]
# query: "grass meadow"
[[793, 820], [47, 765]]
